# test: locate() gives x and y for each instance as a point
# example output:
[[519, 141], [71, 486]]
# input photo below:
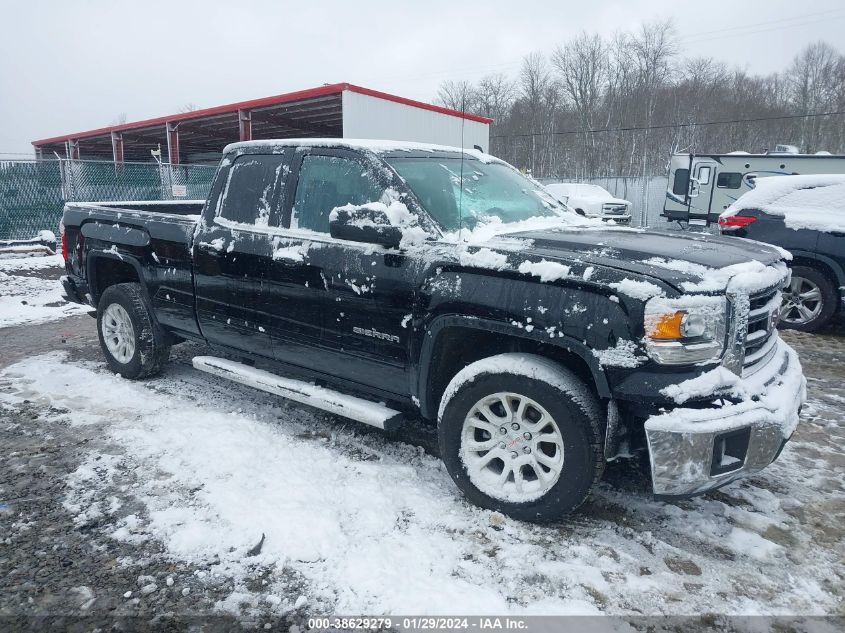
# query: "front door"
[[342, 308]]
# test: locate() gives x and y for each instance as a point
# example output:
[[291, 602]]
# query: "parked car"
[[592, 201], [806, 216], [371, 280]]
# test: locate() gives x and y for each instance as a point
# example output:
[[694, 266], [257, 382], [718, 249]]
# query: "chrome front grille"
[[761, 335]]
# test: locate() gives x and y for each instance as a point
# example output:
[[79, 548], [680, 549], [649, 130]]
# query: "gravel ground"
[[59, 561]]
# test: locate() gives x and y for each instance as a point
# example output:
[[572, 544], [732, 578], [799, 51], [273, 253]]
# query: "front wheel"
[[521, 435], [810, 301], [132, 342]]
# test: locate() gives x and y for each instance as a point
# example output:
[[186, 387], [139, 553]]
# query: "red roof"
[[257, 103]]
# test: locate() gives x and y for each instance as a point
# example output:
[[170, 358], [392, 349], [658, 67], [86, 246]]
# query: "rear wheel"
[[132, 342], [521, 435], [810, 301]]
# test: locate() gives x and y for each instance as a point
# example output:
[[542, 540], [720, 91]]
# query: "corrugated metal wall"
[[368, 117]]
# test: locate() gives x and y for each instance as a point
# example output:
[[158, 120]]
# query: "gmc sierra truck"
[[398, 282]]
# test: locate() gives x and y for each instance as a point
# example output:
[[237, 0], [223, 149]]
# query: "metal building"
[[331, 111]]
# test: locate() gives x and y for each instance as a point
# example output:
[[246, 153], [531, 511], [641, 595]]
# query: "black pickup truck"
[[398, 282]]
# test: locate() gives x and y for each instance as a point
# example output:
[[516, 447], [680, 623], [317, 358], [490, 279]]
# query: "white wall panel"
[[373, 118]]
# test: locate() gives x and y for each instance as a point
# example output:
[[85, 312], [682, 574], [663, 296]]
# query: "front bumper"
[[619, 219], [693, 450]]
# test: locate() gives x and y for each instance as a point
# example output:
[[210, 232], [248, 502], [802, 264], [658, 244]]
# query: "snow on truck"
[[397, 282], [701, 186]]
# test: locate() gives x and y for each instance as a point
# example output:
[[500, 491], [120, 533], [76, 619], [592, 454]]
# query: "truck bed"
[[155, 238]]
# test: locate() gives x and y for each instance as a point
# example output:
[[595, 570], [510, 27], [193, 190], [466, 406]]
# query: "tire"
[[799, 313], [132, 342], [549, 392]]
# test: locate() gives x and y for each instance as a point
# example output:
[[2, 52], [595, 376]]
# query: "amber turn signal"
[[667, 326]]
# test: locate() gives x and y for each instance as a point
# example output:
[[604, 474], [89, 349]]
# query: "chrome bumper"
[[693, 450]]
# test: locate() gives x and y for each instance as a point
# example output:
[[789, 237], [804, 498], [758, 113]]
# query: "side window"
[[729, 180], [250, 193], [326, 182], [704, 175], [681, 183]]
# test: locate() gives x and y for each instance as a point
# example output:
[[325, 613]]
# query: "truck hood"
[[685, 261]]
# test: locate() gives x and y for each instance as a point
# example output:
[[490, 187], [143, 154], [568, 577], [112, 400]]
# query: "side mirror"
[[364, 224]]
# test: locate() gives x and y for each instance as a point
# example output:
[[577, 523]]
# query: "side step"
[[372, 413]]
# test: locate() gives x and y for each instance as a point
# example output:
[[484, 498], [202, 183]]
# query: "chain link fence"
[[32, 193]]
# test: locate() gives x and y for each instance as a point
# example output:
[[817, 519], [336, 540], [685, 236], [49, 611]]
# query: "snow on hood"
[[744, 277], [815, 202], [487, 231]]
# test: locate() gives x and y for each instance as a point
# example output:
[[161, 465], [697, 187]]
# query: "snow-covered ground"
[[28, 295], [354, 522]]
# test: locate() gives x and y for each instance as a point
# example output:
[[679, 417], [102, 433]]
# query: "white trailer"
[[701, 186]]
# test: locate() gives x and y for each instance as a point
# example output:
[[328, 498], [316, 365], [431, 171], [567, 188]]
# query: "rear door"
[[232, 250]]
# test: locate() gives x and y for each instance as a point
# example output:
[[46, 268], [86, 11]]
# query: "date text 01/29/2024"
[[419, 623]]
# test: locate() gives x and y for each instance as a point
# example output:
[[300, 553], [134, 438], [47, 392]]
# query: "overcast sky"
[[71, 66]]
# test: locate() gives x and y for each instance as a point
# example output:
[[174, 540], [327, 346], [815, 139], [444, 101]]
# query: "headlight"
[[686, 330]]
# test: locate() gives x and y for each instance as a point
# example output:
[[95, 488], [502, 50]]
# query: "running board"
[[372, 413]]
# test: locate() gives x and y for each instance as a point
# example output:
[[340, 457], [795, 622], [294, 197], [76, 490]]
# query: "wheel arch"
[[470, 339], [821, 263], [107, 268]]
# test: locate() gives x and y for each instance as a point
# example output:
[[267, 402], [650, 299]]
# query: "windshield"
[[492, 192]]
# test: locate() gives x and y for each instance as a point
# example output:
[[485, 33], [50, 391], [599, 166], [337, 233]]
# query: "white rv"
[[701, 186]]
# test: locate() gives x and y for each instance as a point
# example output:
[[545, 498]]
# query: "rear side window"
[[327, 182], [680, 186], [729, 180], [252, 189]]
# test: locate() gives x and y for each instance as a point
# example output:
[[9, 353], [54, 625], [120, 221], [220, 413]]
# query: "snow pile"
[[295, 253], [718, 380], [484, 258], [776, 400], [642, 290], [545, 270], [373, 145], [623, 354], [747, 277], [391, 209], [360, 524], [815, 202], [26, 296], [528, 365]]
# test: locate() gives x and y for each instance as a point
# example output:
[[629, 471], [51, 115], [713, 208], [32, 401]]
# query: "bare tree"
[[539, 92], [457, 95], [494, 95], [582, 67], [622, 105], [815, 85]]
